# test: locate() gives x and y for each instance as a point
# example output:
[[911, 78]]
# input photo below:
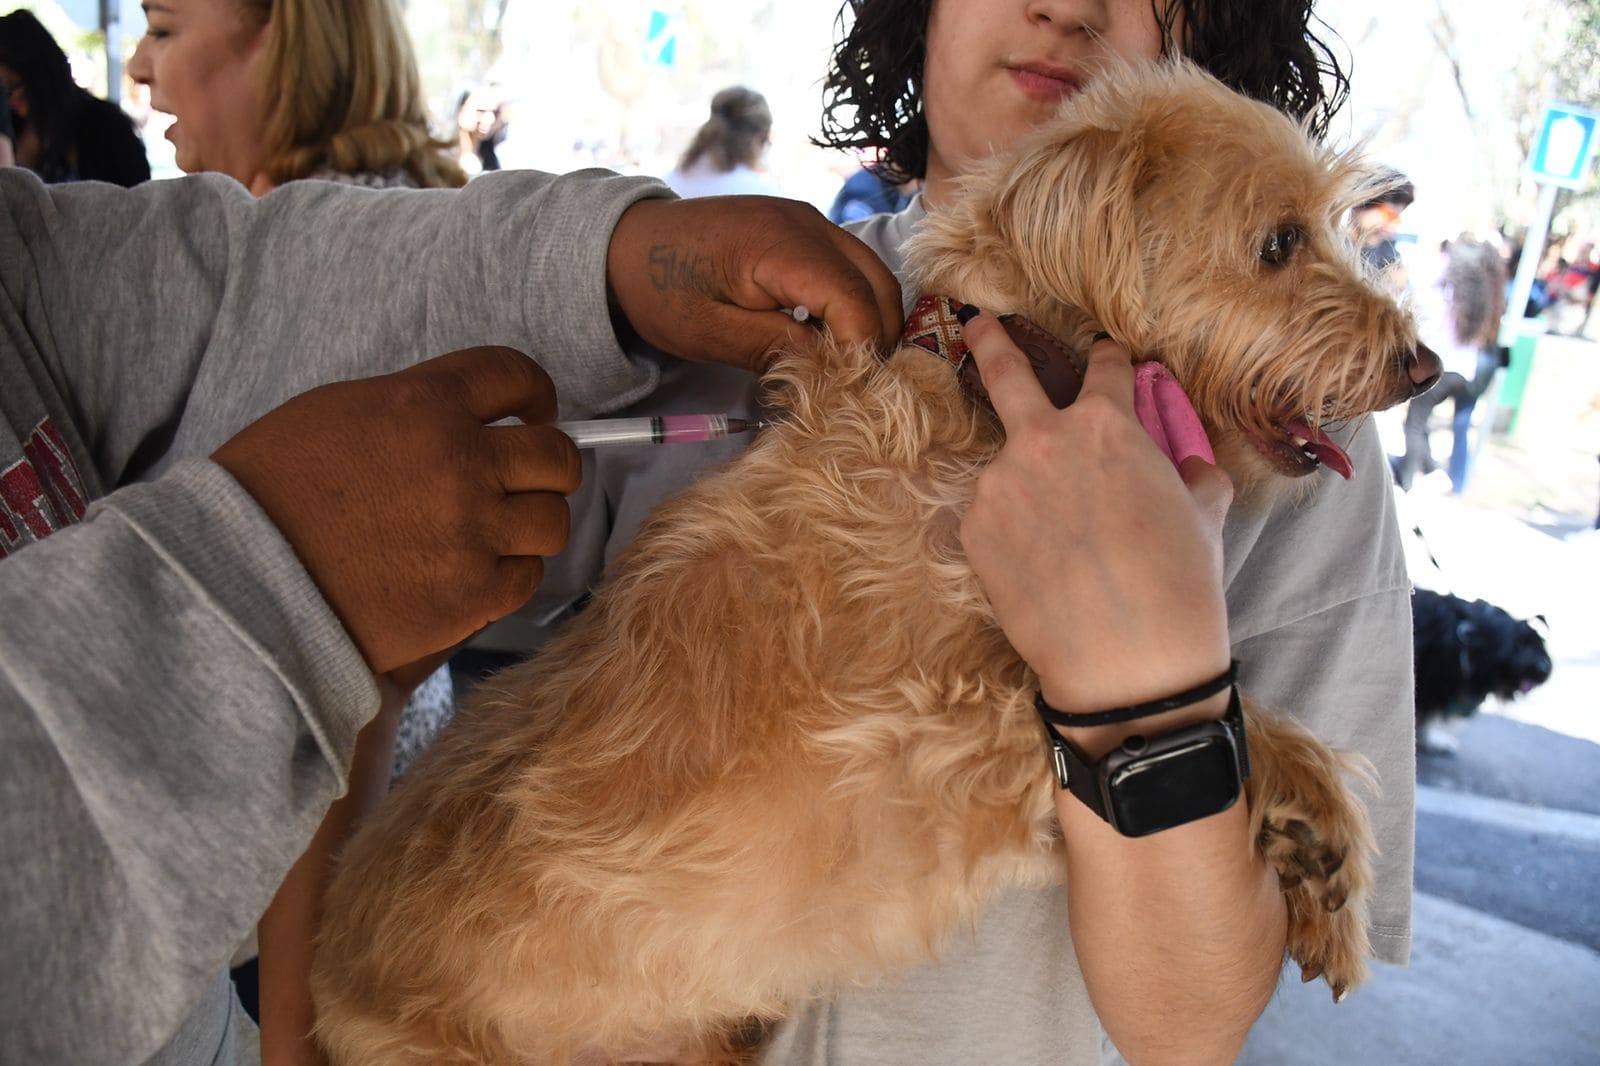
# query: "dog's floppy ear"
[[1052, 222], [1069, 216]]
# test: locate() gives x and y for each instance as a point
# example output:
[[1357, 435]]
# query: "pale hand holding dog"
[[1115, 602]]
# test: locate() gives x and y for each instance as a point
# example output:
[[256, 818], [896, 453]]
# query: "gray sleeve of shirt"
[[177, 708], [175, 313]]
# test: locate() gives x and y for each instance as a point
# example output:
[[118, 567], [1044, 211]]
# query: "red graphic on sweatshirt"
[[41, 492]]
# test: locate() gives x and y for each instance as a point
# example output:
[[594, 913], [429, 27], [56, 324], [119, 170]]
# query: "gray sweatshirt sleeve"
[[177, 702], [179, 705], [180, 311]]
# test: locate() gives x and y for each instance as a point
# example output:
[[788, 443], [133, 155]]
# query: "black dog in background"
[[1468, 650]]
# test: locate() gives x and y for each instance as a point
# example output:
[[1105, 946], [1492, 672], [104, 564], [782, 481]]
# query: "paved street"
[[1505, 968]]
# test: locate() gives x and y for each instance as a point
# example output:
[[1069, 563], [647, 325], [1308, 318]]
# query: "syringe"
[[662, 429]]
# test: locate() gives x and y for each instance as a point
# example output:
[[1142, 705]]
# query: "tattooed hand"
[[709, 279]]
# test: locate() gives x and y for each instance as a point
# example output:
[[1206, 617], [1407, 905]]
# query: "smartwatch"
[[1147, 784]]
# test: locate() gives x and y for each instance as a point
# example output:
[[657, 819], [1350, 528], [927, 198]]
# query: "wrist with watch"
[[1150, 783]]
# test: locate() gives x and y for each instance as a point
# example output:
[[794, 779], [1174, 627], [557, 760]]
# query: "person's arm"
[[286, 934], [177, 312], [184, 672], [1103, 564], [176, 705]]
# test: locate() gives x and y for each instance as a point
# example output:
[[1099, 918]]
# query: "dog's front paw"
[[1314, 832], [1324, 880]]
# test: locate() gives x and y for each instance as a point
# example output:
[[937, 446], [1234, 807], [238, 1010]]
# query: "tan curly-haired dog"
[[787, 746]]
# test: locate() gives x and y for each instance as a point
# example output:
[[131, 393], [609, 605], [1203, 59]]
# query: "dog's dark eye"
[[1278, 247]]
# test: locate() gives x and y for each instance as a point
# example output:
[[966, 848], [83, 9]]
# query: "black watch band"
[[1147, 784]]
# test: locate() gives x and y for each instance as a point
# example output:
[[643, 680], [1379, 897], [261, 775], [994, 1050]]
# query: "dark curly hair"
[[1266, 49]]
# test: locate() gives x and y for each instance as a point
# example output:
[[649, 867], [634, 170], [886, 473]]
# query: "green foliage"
[[1577, 66]]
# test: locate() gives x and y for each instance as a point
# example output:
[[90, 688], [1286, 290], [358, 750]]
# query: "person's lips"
[[1043, 81]]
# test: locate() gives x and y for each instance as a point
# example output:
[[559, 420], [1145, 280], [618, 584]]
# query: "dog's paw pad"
[[1301, 857], [1319, 879]]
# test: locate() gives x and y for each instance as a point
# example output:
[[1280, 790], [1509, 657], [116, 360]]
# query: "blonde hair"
[[341, 91]]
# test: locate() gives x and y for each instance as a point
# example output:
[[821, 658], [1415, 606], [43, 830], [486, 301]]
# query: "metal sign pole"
[[1560, 159], [111, 27], [1528, 264]]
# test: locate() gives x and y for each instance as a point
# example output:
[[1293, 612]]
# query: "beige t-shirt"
[[1320, 619]]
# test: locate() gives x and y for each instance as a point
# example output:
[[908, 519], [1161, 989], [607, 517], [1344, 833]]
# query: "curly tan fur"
[[787, 747]]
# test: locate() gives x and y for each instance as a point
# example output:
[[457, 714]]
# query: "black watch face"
[[1173, 784]]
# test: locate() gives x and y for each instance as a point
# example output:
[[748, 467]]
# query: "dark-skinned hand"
[[418, 520], [709, 279]]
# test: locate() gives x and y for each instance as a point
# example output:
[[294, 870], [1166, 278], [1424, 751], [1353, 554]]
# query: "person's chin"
[[188, 159], [181, 153]]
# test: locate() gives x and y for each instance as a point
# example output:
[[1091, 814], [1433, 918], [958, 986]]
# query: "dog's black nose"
[[1423, 368]]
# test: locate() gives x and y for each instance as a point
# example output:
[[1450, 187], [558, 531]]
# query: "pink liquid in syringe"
[[693, 427]]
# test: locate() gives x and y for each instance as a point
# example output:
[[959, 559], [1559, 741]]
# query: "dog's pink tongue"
[[1167, 415], [1328, 453]]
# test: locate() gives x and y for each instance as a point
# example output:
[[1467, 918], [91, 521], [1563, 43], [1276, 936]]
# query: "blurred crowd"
[[1459, 293]]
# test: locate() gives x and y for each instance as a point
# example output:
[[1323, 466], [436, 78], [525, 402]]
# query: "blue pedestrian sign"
[[1565, 146], [661, 39]]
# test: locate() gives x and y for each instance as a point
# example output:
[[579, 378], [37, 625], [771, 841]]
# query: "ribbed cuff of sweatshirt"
[[220, 539], [567, 263]]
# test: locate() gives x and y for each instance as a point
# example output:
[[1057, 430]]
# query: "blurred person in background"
[[725, 157], [481, 127], [866, 193], [1373, 226], [269, 92], [8, 136], [1538, 298], [1458, 316], [1574, 286], [61, 131]]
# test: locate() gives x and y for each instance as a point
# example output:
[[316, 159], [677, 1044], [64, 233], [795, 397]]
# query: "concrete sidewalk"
[[1479, 992]]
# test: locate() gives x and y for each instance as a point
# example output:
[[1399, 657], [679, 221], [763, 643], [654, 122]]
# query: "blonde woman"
[[268, 91], [1458, 315]]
